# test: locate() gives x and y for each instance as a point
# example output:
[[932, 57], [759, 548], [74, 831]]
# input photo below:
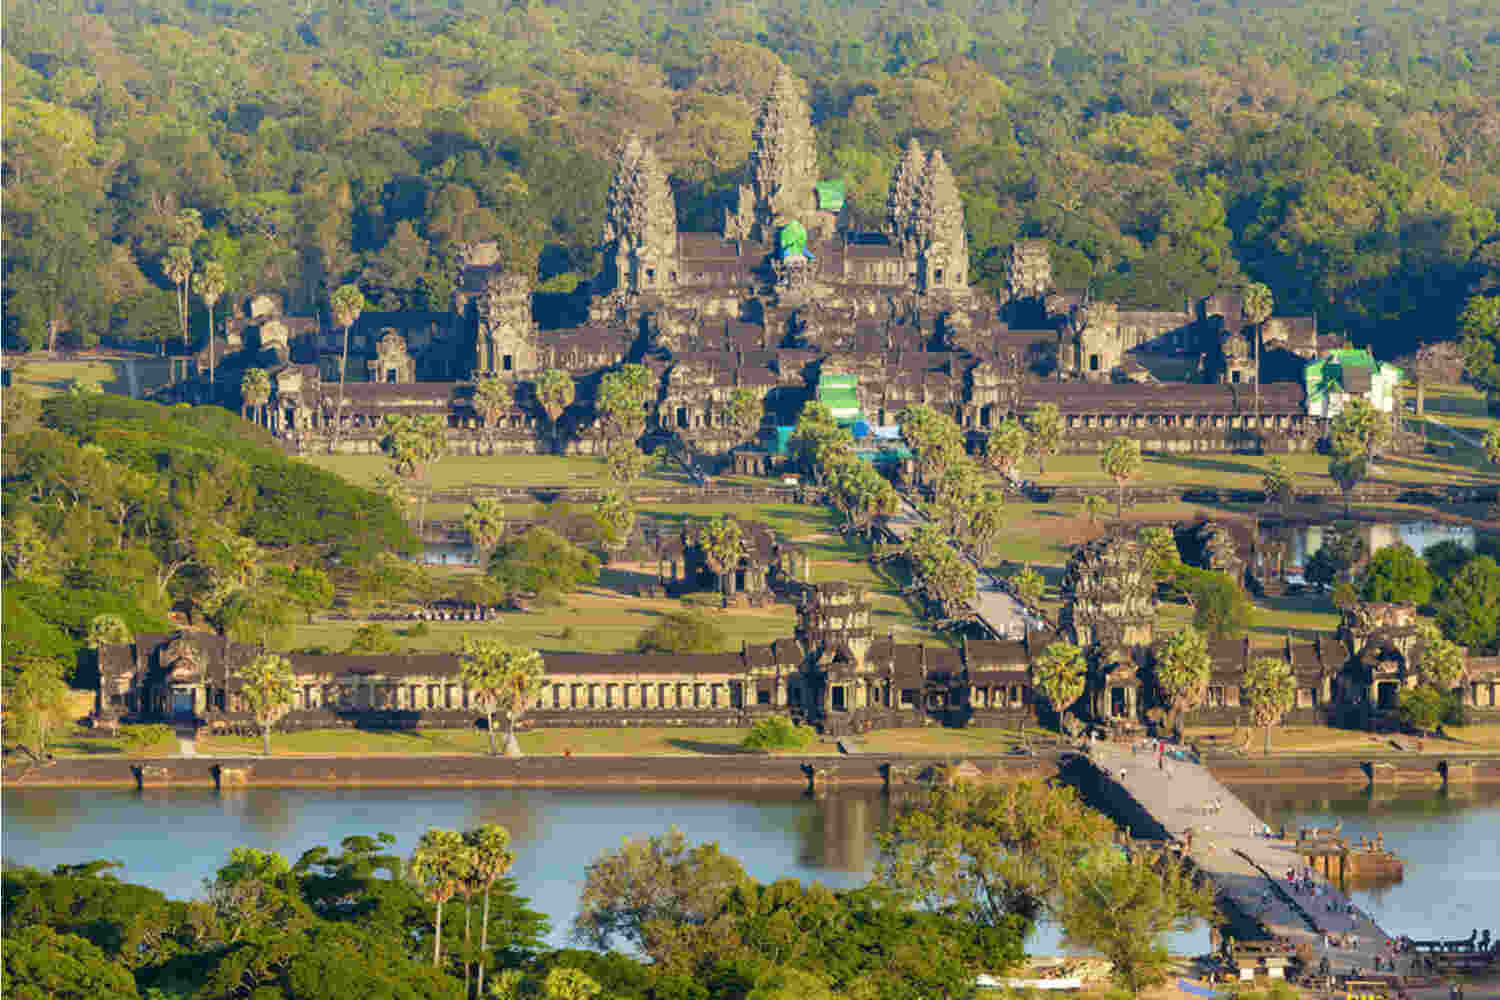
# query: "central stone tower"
[[783, 169]]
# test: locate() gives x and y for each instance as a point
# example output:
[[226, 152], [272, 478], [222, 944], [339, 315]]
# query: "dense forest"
[[1346, 155]]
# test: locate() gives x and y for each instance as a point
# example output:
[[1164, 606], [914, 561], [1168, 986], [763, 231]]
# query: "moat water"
[[174, 839]]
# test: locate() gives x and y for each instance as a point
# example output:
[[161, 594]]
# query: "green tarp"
[[830, 196], [792, 239], [840, 393]]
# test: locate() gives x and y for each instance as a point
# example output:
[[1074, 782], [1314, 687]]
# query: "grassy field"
[[602, 618], [460, 471], [45, 377], [1289, 740], [665, 741], [1230, 471]]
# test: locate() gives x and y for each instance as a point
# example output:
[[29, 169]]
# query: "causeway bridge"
[[994, 607], [1225, 842]]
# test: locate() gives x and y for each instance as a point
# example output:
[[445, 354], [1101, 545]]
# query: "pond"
[[174, 839]]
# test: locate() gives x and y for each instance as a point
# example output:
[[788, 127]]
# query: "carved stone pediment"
[[182, 661]]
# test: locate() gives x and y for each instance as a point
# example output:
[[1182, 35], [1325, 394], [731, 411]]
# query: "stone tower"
[[901, 203], [640, 224], [783, 169], [1030, 270], [834, 619], [1109, 596], [942, 245], [506, 343]]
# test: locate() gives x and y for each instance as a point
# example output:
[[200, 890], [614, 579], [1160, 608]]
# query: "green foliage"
[[989, 856], [41, 964], [1271, 690], [501, 677], [541, 563], [1423, 707], [1445, 559], [1028, 585], [1182, 669], [372, 638], [1278, 484], [137, 739], [1060, 673], [36, 703], [818, 443], [681, 632], [1123, 908], [1468, 605], [1122, 462], [1046, 426], [779, 732], [1479, 325], [1007, 446], [269, 687], [1396, 574], [659, 894], [1221, 609]]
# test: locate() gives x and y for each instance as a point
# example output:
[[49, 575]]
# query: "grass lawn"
[[636, 741], [600, 619], [1460, 405], [460, 471], [632, 741], [1232, 471], [1288, 740]]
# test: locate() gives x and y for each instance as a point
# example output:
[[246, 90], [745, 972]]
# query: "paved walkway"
[[187, 741], [1248, 868], [996, 608]]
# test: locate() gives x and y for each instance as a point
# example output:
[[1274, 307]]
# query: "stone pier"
[[1226, 843]]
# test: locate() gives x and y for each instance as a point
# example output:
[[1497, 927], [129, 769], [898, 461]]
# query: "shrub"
[[372, 639], [417, 631], [681, 632], [137, 739], [779, 732]]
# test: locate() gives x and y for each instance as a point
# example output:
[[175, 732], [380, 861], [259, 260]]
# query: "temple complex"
[[788, 291]]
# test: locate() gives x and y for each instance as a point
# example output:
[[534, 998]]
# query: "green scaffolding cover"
[[793, 239], [830, 196]]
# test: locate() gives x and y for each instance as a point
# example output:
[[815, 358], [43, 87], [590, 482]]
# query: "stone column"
[[778, 696]]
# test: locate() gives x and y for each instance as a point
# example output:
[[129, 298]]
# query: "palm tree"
[[554, 391], [485, 523], [501, 677], [178, 265], [209, 283], [346, 304], [438, 865], [255, 389], [721, 541], [1258, 307], [489, 847], [492, 397]]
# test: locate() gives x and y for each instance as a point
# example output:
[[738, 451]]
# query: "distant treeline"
[[1349, 157]]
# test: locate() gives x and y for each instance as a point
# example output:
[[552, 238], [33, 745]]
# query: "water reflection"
[[1449, 841], [174, 838], [1290, 543]]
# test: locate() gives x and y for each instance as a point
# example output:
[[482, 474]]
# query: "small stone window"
[[763, 697], [508, 363], [1093, 362], [908, 697]]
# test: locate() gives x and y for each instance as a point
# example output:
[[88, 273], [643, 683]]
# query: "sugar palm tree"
[[485, 523], [209, 283], [492, 397], [1259, 305], [490, 853], [346, 303], [438, 865], [255, 389], [178, 265], [554, 391]]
